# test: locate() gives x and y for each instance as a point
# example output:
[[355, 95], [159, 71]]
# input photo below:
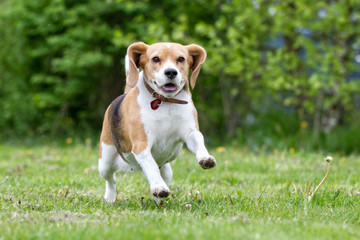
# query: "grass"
[[55, 192]]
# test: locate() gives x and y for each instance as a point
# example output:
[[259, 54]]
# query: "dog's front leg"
[[152, 172], [195, 142]]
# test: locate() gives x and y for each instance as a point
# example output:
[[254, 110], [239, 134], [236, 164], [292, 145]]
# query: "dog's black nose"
[[171, 73]]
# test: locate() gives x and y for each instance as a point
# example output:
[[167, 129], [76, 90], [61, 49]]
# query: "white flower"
[[329, 158]]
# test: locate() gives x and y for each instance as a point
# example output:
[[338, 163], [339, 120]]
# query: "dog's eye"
[[156, 59], [181, 59]]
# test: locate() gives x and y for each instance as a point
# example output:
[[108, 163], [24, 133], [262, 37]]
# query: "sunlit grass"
[[53, 192]]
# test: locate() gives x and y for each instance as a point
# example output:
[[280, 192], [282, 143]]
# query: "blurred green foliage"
[[274, 68]]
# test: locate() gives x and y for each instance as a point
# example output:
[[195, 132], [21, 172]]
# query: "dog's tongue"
[[169, 87]]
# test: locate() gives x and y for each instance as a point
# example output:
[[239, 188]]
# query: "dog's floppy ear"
[[132, 62], [198, 55]]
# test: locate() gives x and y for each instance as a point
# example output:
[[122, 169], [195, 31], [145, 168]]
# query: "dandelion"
[[69, 140], [292, 150], [188, 206], [328, 159], [220, 149], [87, 170], [197, 193], [304, 125]]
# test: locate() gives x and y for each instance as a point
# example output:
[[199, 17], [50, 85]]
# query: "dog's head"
[[165, 65]]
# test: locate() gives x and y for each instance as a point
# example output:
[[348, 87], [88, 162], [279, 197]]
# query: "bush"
[[61, 61]]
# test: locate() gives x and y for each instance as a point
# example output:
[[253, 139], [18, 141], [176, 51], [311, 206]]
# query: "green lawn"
[[53, 192]]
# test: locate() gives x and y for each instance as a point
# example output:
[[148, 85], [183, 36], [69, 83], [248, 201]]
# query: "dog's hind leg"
[[108, 165]]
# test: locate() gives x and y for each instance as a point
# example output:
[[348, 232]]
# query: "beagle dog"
[[145, 128]]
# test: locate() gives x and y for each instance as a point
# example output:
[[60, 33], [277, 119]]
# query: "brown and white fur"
[[148, 139]]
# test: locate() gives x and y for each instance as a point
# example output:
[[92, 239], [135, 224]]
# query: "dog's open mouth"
[[169, 87]]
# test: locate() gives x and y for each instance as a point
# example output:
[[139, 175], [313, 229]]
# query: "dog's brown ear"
[[134, 53], [198, 55]]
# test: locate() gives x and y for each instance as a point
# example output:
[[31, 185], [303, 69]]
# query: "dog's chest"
[[164, 128]]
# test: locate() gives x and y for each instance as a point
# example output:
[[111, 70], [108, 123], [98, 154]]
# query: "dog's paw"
[[207, 162], [160, 191], [109, 198]]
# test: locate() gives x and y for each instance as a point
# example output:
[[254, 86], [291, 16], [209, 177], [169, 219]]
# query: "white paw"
[[110, 197], [207, 162], [160, 191]]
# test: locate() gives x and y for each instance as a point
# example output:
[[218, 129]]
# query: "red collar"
[[159, 98]]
